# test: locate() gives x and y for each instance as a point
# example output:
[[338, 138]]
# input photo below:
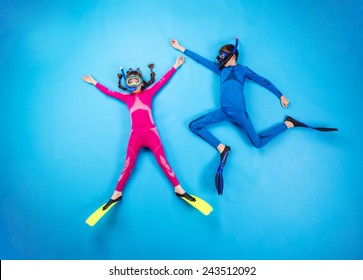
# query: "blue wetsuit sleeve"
[[205, 62], [262, 81]]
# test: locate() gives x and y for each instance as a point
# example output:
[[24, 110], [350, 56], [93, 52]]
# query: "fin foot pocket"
[[110, 202], [224, 156], [186, 196], [101, 211]]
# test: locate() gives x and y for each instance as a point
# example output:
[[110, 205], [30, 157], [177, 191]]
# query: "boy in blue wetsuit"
[[233, 104]]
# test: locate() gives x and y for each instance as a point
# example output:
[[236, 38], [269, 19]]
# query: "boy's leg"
[[198, 126], [261, 139]]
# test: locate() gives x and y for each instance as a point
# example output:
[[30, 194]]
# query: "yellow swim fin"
[[197, 203], [99, 213]]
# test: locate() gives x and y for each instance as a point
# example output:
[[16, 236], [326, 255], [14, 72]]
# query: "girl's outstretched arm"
[[179, 62], [154, 89], [89, 79]]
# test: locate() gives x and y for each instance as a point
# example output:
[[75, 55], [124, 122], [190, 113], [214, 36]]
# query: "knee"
[[129, 164], [193, 126], [257, 144], [163, 162]]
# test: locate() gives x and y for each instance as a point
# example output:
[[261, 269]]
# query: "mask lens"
[[223, 55], [133, 80]]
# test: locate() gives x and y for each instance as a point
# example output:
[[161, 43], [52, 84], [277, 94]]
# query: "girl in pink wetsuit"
[[143, 130]]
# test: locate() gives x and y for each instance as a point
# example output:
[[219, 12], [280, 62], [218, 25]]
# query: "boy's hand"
[[175, 44], [284, 101]]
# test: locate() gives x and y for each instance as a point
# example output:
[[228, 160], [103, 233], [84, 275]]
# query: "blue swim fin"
[[219, 181], [219, 175]]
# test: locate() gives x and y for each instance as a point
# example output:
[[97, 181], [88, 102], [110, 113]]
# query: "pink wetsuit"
[[143, 130]]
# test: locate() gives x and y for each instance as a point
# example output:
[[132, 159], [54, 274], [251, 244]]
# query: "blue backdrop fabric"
[[63, 142]]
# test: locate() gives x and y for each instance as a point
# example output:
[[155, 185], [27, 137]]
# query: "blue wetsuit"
[[233, 104]]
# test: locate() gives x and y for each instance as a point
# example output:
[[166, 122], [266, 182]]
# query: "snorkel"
[[131, 86], [223, 56]]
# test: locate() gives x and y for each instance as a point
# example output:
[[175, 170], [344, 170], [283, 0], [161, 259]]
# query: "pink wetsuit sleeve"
[[154, 89], [112, 93]]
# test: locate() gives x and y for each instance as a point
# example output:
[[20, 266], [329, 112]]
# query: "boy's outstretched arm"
[[284, 101], [196, 57], [268, 85]]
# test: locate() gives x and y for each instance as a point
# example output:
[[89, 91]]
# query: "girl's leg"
[[129, 164], [133, 149], [155, 145]]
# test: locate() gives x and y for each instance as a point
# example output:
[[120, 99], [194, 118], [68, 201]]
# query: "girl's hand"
[[89, 79], [284, 101], [179, 61], [175, 44]]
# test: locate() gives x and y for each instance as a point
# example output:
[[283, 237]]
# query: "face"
[[231, 62], [138, 89], [224, 57]]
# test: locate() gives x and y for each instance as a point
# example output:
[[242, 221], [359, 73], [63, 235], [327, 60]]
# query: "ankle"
[[178, 189], [289, 124], [220, 148], [116, 195]]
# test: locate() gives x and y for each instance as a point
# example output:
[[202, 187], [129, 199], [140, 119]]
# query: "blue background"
[[63, 142]]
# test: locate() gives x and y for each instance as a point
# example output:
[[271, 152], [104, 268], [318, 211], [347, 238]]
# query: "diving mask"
[[133, 81], [223, 56]]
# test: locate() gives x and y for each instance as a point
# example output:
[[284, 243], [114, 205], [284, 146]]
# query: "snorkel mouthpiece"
[[223, 57]]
